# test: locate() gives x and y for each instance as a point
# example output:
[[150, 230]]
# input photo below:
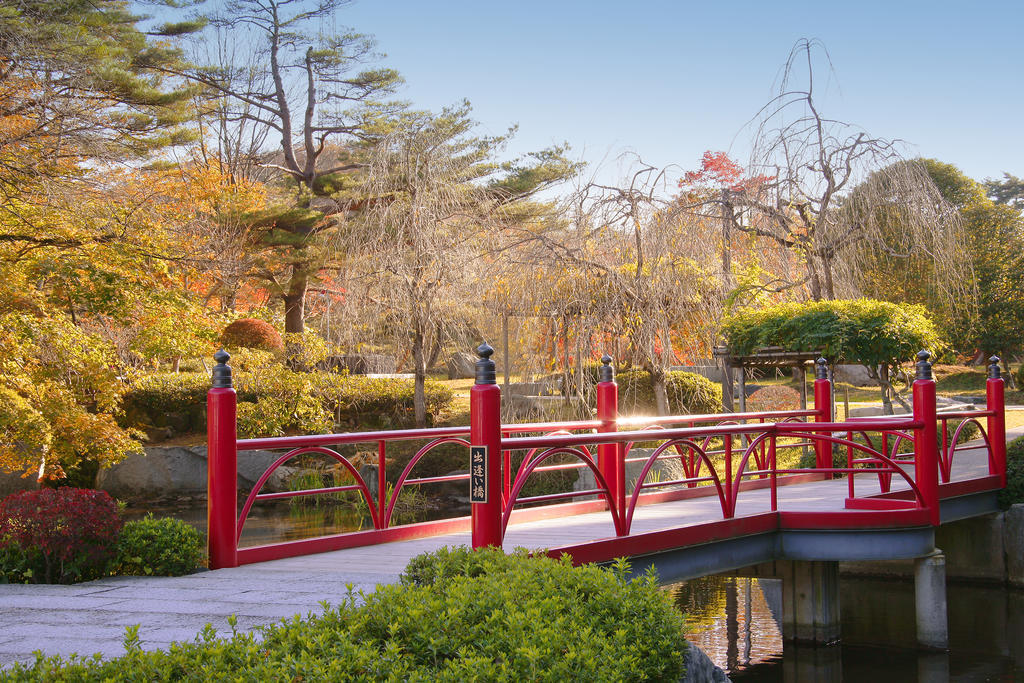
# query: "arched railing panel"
[[360, 484]]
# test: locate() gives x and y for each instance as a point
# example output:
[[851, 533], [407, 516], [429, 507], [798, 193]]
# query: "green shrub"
[[252, 333], [62, 535], [688, 393], [503, 619], [1014, 491], [158, 547]]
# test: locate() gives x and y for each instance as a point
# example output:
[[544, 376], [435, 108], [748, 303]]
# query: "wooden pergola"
[[765, 357]]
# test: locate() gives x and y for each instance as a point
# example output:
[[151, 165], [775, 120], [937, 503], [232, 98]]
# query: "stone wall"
[[989, 549]]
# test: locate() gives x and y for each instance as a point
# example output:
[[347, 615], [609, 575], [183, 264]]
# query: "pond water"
[[737, 621], [279, 521]]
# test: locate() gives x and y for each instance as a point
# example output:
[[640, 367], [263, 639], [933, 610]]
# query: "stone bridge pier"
[[811, 607]]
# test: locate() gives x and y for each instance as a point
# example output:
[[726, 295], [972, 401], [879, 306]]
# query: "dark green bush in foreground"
[[158, 547], [1014, 491], [457, 616]]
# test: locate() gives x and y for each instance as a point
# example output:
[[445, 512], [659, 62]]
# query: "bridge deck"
[[91, 617]]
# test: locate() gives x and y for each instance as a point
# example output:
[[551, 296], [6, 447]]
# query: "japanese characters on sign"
[[478, 474]]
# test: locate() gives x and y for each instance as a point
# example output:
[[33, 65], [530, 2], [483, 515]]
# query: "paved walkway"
[[91, 617]]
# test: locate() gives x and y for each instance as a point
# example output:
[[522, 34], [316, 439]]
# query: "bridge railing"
[[719, 454]]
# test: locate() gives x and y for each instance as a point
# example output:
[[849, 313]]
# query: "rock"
[[546, 388], [461, 365], [14, 482], [700, 668], [857, 375], [161, 471]]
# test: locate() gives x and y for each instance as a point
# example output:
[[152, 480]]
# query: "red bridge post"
[[823, 411], [996, 423], [610, 456], [926, 447], [485, 453], [221, 466]]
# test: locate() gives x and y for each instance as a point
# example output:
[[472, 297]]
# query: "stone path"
[[91, 617]]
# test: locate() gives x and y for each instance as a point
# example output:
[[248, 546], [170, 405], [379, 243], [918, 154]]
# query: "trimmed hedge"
[[1014, 491], [276, 401], [852, 331], [482, 616], [252, 333], [688, 393]]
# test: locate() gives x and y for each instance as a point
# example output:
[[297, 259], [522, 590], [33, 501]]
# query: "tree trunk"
[[660, 392], [295, 318], [295, 301], [829, 286], [419, 399], [813, 280], [1007, 375], [886, 386]]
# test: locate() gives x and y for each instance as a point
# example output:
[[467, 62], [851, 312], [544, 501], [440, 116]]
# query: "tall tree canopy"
[[305, 91]]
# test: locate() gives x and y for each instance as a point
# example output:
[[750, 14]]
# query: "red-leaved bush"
[[251, 333], [59, 535]]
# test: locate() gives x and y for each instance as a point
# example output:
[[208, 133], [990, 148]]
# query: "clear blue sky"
[[669, 80]]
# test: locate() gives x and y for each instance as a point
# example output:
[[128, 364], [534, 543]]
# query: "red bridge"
[[734, 507]]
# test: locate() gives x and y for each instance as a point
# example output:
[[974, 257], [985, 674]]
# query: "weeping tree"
[[825, 191], [433, 200], [632, 265]]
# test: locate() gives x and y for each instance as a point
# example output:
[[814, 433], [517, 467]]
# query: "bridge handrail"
[[689, 435]]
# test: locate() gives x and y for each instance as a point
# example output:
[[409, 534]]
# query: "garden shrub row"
[[688, 392], [458, 615], [67, 535], [1014, 491], [275, 401]]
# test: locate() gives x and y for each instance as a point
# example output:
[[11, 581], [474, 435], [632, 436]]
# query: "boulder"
[[182, 469], [857, 375], [462, 365], [13, 483], [700, 668]]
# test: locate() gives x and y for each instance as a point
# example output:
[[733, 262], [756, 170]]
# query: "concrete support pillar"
[[930, 598], [933, 667], [810, 602]]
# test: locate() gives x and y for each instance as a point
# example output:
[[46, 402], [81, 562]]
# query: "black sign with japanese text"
[[478, 474]]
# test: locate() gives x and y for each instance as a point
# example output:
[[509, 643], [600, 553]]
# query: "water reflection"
[[737, 622]]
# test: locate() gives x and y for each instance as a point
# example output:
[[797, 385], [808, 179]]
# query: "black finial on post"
[[924, 368], [485, 371], [993, 367], [607, 371], [222, 371], [821, 368]]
